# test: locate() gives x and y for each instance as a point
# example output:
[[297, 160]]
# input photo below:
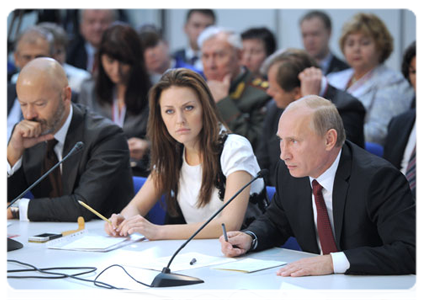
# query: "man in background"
[[93, 22], [293, 74], [240, 97], [316, 30], [196, 21]]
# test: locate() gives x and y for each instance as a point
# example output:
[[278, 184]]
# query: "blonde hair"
[[369, 25]]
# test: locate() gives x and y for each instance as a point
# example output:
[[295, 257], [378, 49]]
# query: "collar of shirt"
[[190, 53], [323, 86], [90, 55], [324, 63], [327, 179], [60, 135]]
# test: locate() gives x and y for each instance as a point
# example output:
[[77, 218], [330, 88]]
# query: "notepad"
[[250, 265], [84, 241]]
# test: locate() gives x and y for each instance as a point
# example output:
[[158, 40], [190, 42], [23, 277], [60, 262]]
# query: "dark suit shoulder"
[[337, 65]]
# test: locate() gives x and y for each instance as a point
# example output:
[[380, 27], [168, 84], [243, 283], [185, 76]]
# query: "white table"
[[261, 282]]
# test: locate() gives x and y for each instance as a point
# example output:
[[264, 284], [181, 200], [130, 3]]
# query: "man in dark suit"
[[336, 199], [400, 144], [316, 30], [293, 74], [99, 175], [196, 21], [82, 50]]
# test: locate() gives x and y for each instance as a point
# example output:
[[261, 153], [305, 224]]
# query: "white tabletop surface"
[[235, 283]]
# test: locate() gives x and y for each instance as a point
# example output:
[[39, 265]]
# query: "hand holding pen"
[[234, 243]]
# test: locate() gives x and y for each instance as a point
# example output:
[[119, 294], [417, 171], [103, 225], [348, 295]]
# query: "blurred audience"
[[385, 93], [258, 44], [239, 95], [157, 54], [119, 90], [400, 146], [93, 22], [75, 75], [316, 30], [196, 21], [292, 75], [32, 43]]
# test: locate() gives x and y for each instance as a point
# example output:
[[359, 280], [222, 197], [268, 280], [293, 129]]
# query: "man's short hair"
[[208, 12], [291, 62], [412, 51], [233, 38], [150, 35], [318, 14], [325, 117], [33, 33], [59, 33], [263, 34], [114, 14]]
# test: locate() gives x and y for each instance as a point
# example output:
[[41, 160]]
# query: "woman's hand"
[[138, 224], [116, 220]]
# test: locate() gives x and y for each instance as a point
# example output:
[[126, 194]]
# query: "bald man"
[[99, 175]]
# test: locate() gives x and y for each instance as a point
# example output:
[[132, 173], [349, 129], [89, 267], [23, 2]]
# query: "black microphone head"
[[78, 147], [263, 173]]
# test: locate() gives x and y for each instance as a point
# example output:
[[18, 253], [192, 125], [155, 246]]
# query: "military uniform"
[[243, 109]]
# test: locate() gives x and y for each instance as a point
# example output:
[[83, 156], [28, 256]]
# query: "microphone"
[[166, 278], [78, 147], [12, 244]]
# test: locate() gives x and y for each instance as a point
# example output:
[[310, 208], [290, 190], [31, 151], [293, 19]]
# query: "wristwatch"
[[254, 242]]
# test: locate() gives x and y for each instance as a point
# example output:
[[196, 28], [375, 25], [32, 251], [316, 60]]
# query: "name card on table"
[[292, 292]]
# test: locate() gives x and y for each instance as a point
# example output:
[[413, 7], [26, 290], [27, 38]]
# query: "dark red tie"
[[55, 177], [411, 171], [324, 228]]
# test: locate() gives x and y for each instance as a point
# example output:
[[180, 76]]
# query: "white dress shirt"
[[326, 180]]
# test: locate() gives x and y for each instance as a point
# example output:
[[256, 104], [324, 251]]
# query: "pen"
[[224, 232], [94, 212], [193, 261]]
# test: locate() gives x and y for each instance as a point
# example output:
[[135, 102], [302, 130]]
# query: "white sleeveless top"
[[237, 155]]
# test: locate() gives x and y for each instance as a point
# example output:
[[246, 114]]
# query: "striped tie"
[[411, 171]]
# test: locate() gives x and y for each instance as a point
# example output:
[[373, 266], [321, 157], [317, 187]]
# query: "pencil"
[[94, 212]]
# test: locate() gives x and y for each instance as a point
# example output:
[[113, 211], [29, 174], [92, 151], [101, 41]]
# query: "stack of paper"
[[249, 265]]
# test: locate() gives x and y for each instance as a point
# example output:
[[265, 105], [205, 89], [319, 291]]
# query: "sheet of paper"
[[93, 242], [181, 262], [414, 295], [249, 265]]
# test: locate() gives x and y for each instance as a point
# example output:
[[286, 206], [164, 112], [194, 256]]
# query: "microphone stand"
[[12, 244], [166, 278]]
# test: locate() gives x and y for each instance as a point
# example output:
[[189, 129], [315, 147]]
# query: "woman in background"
[[385, 93], [119, 91], [188, 154]]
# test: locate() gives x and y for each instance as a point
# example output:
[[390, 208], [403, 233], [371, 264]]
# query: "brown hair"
[[166, 152], [369, 25]]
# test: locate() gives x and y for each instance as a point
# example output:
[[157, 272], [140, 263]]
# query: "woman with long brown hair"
[[188, 155]]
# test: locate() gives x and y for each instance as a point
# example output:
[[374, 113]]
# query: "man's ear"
[[67, 91], [331, 138]]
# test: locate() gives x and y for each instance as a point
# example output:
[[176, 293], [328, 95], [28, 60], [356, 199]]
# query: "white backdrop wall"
[[283, 22]]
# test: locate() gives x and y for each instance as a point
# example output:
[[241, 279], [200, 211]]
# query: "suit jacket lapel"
[[33, 162], [70, 166], [340, 191]]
